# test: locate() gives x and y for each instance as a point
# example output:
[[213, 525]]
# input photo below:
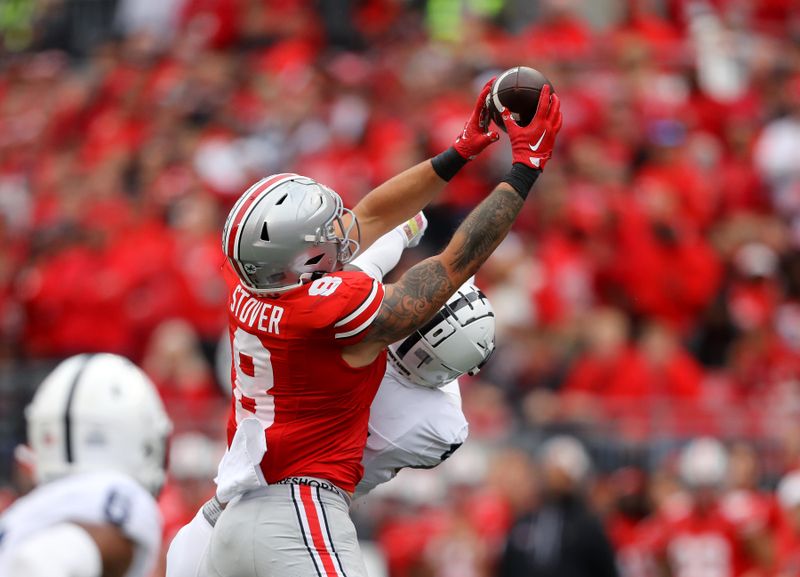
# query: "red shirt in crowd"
[[666, 271], [628, 375], [787, 549], [699, 543]]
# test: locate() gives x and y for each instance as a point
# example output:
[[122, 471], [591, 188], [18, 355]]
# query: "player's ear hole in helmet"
[[287, 229], [458, 340], [98, 412]]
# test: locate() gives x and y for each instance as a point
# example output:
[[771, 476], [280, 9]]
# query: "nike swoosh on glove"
[[532, 145], [476, 137]]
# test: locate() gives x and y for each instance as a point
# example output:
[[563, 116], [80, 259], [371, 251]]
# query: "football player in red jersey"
[[699, 541], [415, 419], [308, 338], [754, 513]]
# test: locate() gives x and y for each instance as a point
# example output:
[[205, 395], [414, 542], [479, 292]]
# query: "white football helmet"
[[284, 230], [458, 339], [98, 412], [703, 463]]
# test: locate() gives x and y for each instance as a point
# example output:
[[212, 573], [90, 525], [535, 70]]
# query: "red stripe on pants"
[[316, 530]]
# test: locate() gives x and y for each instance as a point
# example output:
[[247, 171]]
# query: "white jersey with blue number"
[[92, 498], [410, 426]]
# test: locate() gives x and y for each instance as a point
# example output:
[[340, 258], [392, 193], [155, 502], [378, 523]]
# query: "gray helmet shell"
[[285, 229], [458, 339]]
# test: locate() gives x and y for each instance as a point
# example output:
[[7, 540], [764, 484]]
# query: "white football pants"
[[291, 530], [188, 548]]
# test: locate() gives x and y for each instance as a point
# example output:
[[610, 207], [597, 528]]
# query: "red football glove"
[[475, 137], [532, 145]]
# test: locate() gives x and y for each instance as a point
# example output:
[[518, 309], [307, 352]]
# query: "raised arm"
[[397, 200], [402, 196], [424, 288]]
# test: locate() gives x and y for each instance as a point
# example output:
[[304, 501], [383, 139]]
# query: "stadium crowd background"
[[650, 293]]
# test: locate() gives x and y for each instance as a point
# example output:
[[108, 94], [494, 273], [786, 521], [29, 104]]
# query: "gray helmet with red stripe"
[[458, 340], [284, 230]]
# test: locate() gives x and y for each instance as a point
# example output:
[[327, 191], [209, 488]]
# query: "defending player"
[[415, 418], [98, 432], [309, 342]]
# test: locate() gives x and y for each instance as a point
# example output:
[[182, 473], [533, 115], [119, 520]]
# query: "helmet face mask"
[[458, 340], [348, 247], [285, 230]]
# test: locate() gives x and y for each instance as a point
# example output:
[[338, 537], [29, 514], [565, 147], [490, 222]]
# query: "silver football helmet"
[[284, 230], [98, 412], [459, 339]]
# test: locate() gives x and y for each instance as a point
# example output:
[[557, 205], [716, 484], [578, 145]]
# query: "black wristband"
[[521, 178], [448, 163]]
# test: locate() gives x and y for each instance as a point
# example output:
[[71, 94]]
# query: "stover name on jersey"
[[255, 313], [314, 414]]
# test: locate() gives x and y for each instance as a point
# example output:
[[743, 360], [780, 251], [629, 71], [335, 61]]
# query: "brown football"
[[518, 90]]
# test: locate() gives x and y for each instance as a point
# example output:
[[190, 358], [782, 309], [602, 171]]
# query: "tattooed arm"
[[424, 289]]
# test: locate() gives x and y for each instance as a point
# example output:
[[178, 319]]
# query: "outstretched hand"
[[532, 145], [476, 135]]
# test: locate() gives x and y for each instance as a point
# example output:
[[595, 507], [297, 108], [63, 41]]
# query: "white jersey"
[[410, 426], [104, 497]]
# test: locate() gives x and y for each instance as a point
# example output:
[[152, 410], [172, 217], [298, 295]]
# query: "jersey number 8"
[[324, 286]]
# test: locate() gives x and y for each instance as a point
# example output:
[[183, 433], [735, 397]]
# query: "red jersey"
[[631, 541], [699, 545], [287, 370], [753, 514], [750, 511], [787, 549]]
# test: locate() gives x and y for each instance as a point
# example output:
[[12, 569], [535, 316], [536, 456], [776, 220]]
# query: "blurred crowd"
[[650, 293]]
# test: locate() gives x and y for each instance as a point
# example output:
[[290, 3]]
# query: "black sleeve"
[[600, 557], [513, 562]]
